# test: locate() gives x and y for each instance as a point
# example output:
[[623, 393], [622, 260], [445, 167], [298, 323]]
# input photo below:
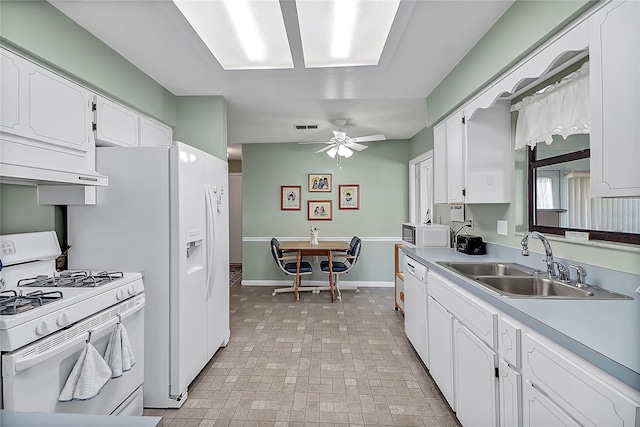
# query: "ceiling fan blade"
[[355, 146], [315, 142], [339, 134], [327, 148], [378, 137]]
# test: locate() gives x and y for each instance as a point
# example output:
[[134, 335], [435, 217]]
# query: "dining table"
[[323, 248]]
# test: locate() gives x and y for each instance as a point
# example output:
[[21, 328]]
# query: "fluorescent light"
[[246, 28], [241, 34], [345, 15], [342, 33]]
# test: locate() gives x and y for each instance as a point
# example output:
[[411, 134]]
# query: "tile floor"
[[313, 363]]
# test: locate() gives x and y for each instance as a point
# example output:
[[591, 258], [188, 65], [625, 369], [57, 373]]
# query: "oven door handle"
[[77, 334]]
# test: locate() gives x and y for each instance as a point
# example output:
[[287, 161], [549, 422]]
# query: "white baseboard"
[[343, 285]]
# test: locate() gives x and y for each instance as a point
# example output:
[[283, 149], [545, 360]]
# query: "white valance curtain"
[[560, 109]]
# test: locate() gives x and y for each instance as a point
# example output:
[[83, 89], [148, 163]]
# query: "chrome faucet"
[[551, 270]]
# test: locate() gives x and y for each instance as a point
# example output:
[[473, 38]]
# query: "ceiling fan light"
[[344, 151], [332, 153]]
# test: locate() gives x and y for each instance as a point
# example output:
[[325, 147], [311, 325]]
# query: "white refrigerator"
[[165, 213]]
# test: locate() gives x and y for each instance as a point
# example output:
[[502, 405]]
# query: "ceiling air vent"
[[304, 127]]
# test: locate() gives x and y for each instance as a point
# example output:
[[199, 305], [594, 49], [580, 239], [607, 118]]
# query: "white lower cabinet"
[[475, 379], [510, 402], [441, 349], [582, 391], [494, 370], [415, 314], [539, 411]]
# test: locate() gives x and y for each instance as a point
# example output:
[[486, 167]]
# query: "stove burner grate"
[[71, 279], [15, 303]]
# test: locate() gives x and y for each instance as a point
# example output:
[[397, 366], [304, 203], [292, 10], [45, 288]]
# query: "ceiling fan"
[[342, 144]]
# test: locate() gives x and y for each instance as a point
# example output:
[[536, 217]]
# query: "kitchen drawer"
[[477, 316], [509, 341], [539, 411], [587, 394]]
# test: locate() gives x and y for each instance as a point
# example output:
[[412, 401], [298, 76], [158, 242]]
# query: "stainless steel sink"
[[517, 281], [488, 268], [532, 287]]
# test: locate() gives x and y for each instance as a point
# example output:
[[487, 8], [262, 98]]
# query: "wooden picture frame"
[[290, 197], [349, 196], [320, 183], [319, 210]]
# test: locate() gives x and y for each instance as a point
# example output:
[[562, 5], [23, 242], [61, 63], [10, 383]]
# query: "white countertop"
[[604, 332]]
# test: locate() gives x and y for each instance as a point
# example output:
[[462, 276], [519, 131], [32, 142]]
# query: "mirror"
[[562, 191]]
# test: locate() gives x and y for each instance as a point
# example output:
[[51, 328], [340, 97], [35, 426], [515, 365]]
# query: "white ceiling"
[[427, 40]]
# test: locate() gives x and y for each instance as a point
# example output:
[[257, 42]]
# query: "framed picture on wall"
[[290, 197], [319, 210], [349, 196], [320, 183]]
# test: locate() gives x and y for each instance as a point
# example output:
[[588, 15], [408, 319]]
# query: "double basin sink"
[[517, 281]]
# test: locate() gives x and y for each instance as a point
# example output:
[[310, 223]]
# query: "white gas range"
[[46, 318]]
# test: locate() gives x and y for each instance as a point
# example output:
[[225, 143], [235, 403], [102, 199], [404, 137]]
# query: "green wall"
[[382, 173], [50, 37], [45, 35], [202, 123], [421, 142], [522, 28]]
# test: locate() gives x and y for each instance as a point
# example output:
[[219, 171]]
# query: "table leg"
[[296, 296], [330, 257]]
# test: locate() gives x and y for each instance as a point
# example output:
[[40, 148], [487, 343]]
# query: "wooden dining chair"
[[289, 266], [343, 262]]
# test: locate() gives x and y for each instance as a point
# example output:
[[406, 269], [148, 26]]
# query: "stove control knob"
[[120, 294], [132, 290], [63, 319], [42, 328]]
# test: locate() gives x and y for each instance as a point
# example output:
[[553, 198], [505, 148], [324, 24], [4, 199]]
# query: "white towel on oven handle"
[[88, 376], [119, 355]]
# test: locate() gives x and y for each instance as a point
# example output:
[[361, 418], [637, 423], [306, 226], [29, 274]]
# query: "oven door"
[[33, 376]]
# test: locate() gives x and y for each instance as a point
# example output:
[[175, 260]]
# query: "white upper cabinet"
[[115, 124], [455, 158], [153, 133], [489, 155], [45, 127], [42, 106], [614, 53], [473, 157], [10, 90], [440, 163]]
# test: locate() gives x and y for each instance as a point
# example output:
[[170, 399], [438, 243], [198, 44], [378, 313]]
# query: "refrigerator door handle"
[[211, 236]]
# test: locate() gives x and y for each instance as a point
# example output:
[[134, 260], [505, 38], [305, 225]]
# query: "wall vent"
[[305, 127]]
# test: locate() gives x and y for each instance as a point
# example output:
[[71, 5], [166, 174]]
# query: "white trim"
[[344, 285], [345, 239], [412, 179]]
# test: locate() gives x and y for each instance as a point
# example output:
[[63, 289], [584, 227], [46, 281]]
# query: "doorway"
[[421, 189]]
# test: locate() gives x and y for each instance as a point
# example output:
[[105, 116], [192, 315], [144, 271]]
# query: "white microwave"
[[426, 235]]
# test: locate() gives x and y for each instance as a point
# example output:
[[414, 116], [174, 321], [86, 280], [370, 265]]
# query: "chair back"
[[355, 250], [276, 252]]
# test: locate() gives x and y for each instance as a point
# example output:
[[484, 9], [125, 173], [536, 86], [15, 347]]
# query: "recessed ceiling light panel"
[[343, 33], [241, 34]]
